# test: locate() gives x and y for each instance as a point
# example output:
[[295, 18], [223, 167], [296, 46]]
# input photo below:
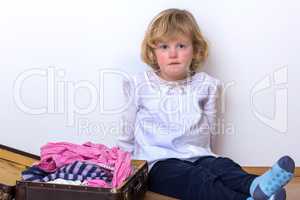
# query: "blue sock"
[[272, 181], [279, 195]]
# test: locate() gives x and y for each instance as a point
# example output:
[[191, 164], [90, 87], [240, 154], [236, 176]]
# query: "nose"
[[173, 52]]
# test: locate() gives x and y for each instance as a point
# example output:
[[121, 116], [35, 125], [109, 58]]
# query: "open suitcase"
[[133, 188]]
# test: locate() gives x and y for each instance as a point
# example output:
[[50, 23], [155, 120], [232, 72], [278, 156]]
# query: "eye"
[[163, 46], [181, 46]]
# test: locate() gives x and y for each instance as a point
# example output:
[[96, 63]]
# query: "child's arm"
[[125, 139], [211, 108]]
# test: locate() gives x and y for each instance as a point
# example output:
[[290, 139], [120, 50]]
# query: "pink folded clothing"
[[56, 155], [97, 183]]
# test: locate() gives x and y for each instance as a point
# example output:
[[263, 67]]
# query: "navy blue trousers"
[[208, 178]]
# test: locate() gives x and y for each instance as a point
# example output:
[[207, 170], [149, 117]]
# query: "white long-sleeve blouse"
[[166, 119]]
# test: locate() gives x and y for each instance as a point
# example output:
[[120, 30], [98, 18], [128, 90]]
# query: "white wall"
[[47, 46]]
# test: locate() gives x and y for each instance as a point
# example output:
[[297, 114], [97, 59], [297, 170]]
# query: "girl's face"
[[174, 58]]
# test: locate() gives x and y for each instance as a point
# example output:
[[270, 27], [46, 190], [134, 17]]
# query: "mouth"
[[174, 63]]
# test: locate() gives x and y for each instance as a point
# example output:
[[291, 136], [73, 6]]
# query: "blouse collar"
[[153, 75]]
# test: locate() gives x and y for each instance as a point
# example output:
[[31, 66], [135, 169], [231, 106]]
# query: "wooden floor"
[[293, 189], [293, 192]]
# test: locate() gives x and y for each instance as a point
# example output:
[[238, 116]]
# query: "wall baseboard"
[[261, 170]]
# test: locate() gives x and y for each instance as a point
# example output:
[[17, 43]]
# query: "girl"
[[171, 115]]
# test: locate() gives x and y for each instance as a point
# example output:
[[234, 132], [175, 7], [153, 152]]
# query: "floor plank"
[[293, 189]]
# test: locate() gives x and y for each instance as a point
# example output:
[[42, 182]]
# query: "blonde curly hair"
[[170, 24]]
